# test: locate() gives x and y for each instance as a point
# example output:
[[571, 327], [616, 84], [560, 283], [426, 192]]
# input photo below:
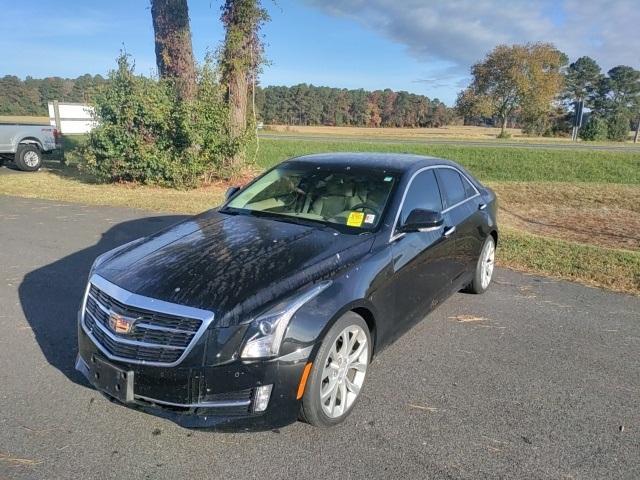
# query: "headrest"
[[340, 188]]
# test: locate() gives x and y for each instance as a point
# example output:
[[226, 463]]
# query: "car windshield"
[[340, 196]]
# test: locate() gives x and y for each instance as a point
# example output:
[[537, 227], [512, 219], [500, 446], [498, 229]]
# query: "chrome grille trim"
[[126, 341], [213, 404], [148, 326], [139, 325], [148, 304]]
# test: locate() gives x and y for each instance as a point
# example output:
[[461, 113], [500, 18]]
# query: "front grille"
[[236, 395], [155, 337]]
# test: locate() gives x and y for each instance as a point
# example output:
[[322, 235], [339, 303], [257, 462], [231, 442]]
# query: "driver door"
[[421, 260]]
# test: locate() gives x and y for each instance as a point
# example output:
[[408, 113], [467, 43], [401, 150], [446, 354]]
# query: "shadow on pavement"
[[50, 296]]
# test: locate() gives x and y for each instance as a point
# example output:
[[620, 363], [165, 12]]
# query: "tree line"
[[296, 105], [30, 96], [310, 105]]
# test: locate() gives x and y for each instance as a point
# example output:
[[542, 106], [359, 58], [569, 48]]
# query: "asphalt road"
[[535, 379], [441, 141]]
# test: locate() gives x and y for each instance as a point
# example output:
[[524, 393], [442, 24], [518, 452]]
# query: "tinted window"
[[453, 187], [423, 193], [470, 191]]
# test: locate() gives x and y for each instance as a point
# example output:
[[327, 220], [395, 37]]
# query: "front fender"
[[357, 288]]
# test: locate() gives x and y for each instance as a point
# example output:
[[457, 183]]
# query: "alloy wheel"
[[31, 159], [488, 261], [344, 371]]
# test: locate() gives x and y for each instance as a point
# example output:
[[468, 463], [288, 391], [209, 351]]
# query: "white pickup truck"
[[24, 144]]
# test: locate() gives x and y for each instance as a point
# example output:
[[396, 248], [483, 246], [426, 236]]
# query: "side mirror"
[[420, 220], [231, 191]]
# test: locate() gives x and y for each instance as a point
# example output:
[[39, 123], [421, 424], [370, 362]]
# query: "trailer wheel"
[[28, 157]]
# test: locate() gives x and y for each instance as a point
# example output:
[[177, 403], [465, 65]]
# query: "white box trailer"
[[71, 118]]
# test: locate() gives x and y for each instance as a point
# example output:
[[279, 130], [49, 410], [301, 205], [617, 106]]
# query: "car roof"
[[390, 161]]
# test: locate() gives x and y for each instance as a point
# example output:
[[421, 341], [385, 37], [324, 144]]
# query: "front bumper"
[[220, 397]]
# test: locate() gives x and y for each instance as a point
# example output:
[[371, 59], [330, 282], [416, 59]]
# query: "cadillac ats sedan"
[[270, 308]]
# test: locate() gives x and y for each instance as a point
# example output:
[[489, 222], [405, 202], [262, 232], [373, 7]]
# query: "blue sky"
[[416, 45]]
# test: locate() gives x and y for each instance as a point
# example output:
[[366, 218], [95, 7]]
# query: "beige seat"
[[336, 199]]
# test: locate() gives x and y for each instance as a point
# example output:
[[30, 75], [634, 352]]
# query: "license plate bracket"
[[111, 379]]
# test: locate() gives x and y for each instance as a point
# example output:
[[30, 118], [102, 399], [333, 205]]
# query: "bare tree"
[[174, 54]]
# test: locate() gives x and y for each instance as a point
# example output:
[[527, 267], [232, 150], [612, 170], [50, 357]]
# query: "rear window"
[[452, 186]]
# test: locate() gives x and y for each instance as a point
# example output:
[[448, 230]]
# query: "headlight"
[[267, 330]]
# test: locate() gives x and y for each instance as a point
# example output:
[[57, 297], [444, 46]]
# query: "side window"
[[453, 186], [470, 191], [423, 193]]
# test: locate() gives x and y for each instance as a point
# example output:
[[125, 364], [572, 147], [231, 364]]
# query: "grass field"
[[568, 214], [450, 132], [488, 163]]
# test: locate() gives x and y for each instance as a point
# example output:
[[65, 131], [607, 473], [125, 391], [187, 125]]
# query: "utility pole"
[[577, 118]]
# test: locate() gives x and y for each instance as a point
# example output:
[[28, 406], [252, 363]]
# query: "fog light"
[[261, 398]]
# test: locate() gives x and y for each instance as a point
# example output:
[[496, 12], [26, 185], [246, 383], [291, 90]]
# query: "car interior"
[[327, 196]]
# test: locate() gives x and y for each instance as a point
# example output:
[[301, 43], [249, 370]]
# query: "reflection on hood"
[[231, 264]]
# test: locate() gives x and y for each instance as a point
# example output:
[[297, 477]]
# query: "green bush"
[[618, 128], [146, 134], [595, 130]]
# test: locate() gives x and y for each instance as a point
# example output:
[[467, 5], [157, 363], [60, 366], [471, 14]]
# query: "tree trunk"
[[174, 54], [635, 137], [503, 128], [236, 66], [238, 93]]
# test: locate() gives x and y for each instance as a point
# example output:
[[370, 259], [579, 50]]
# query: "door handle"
[[448, 231], [482, 206]]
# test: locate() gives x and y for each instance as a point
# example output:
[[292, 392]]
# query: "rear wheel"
[[484, 267], [338, 372], [28, 157]]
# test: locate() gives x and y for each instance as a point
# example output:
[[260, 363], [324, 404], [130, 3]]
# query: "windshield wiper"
[[307, 222], [230, 211], [289, 218]]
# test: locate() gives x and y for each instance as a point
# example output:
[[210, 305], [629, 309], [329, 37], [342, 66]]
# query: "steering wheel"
[[364, 207]]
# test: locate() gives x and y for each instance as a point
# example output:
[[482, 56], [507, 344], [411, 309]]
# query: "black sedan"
[[270, 308]]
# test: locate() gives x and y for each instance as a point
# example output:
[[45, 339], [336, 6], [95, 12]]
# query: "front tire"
[[28, 157], [338, 372], [484, 267]]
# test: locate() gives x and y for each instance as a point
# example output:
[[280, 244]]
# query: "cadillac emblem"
[[120, 324]]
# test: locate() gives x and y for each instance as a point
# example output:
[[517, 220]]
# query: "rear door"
[[421, 260], [461, 200]]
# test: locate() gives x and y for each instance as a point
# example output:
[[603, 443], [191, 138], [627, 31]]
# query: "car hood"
[[231, 264]]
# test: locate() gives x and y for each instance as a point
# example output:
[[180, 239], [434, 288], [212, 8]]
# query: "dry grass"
[[24, 119], [606, 215], [52, 185], [17, 461], [451, 132], [609, 268]]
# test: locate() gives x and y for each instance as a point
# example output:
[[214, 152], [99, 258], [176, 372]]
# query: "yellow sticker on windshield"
[[355, 219]]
